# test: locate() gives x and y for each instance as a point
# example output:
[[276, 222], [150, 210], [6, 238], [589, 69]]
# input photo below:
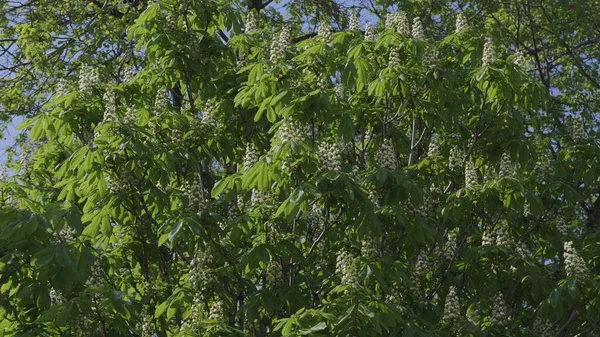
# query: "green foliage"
[[248, 183]]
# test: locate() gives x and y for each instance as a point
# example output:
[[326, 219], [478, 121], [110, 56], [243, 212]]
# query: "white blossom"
[[110, 105], [292, 131], [434, 146], [216, 310], [61, 88], [488, 238], [280, 44], [353, 23], [574, 264], [274, 273], [251, 24], [147, 327], [394, 57], [578, 129], [88, 78], [324, 31], [199, 270], [56, 297], [394, 296], [391, 21], [455, 159], [519, 60], [542, 327], [347, 267], [451, 246], [195, 197], [330, 156], [488, 53], [451, 307], [471, 178], [369, 248], [250, 157], [418, 32], [403, 27], [499, 312], [386, 157], [370, 33], [561, 226], [507, 168], [208, 114], [128, 74], [461, 22], [161, 100], [192, 322], [130, 116]]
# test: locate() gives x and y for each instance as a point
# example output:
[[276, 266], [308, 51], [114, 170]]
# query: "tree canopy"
[[321, 168]]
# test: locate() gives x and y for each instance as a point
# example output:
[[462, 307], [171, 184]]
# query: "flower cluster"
[[370, 33], [419, 270], [455, 159], [147, 326], [488, 238], [323, 81], [109, 98], [574, 264], [461, 23], [280, 44], [65, 235], [130, 116], [161, 100], [128, 74], [403, 26], [216, 310], [451, 307], [451, 246], [324, 31], [471, 178], [434, 146], [195, 196], [330, 156], [88, 78], [291, 131], [25, 157], [208, 115], [392, 21], [499, 312], [62, 88], [542, 327], [502, 239], [394, 296], [418, 32], [199, 269], [369, 248], [422, 264], [488, 53], [259, 198], [507, 168], [519, 60], [353, 23], [386, 157], [347, 267], [274, 273], [96, 277], [578, 129], [394, 57], [56, 297], [250, 158], [192, 322], [561, 226], [251, 24]]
